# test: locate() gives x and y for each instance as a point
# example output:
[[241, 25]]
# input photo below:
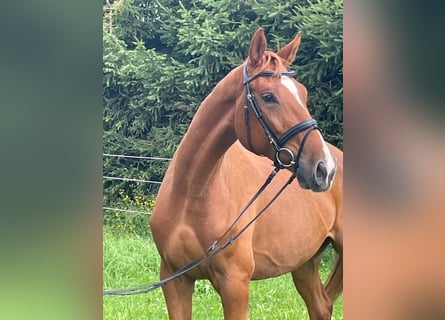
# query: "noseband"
[[277, 142]]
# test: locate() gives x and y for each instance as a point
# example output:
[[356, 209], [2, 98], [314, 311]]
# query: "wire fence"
[[126, 210], [133, 180], [135, 157], [105, 208]]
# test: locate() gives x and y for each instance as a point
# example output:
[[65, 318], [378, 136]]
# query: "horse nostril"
[[321, 173]]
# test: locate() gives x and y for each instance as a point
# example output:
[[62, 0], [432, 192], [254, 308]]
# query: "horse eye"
[[268, 97]]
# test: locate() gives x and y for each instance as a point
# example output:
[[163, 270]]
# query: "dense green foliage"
[[162, 57]]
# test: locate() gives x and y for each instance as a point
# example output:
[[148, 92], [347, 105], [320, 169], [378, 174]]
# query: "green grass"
[[132, 261]]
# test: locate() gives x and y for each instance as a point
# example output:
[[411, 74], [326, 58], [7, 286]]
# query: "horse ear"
[[257, 47], [289, 52]]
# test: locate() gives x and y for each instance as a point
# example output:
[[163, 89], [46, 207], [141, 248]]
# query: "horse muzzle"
[[318, 178]]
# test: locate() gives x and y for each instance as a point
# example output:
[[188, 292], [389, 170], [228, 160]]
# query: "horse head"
[[272, 118]]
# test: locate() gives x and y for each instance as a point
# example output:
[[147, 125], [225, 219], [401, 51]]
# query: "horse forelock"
[[272, 62]]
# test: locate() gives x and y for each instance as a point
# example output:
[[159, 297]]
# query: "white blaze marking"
[[290, 85], [329, 159]]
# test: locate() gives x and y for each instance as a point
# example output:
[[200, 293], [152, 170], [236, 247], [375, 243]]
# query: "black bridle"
[[277, 142]]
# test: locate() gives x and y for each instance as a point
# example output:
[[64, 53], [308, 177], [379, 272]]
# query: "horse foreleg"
[[178, 295], [308, 283], [234, 291]]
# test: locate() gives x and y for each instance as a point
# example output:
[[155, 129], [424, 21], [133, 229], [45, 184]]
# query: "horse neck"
[[210, 134]]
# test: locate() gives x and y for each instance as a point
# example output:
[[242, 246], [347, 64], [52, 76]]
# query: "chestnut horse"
[[222, 160]]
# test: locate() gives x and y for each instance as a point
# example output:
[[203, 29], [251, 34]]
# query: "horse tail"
[[334, 285]]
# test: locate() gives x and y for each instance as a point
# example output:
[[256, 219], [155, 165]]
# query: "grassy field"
[[131, 261]]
